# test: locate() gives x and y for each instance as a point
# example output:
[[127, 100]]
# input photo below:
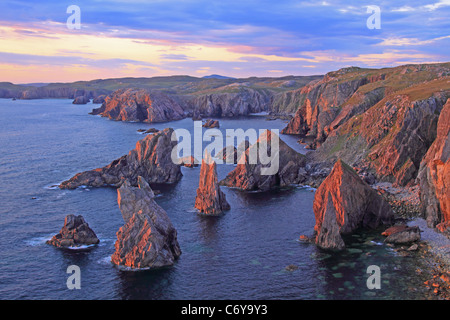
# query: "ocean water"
[[239, 255]]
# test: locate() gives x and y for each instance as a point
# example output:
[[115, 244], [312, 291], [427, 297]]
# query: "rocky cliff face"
[[59, 92], [327, 104], [148, 239], [344, 203], [140, 105], [239, 101], [151, 159], [321, 101], [75, 232], [434, 175], [210, 200], [247, 175], [386, 126]]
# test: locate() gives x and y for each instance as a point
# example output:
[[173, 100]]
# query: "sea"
[[240, 255]]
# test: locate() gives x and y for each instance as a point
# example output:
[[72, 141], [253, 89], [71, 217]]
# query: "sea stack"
[[434, 175], [210, 200], [248, 174], [151, 159], [148, 239], [344, 203], [75, 233]]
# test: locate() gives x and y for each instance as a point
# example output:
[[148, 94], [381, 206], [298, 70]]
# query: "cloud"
[[402, 42], [246, 38]]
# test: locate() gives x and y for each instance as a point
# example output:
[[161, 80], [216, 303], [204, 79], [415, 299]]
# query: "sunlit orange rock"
[[344, 203], [75, 232], [140, 105], [210, 199], [434, 174], [148, 239]]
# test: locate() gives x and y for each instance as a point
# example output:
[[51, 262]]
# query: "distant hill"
[[36, 84], [217, 76]]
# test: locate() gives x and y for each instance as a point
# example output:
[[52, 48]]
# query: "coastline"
[[433, 246]]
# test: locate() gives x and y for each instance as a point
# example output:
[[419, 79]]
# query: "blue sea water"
[[239, 255]]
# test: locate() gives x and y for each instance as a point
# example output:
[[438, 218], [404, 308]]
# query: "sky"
[[236, 38]]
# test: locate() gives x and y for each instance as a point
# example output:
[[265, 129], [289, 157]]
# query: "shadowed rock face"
[[344, 203], [74, 233], [81, 100], [434, 174], [242, 102], [148, 238], [210, 199], [247, 176], [150, 159], [99, 99], [140, 105]]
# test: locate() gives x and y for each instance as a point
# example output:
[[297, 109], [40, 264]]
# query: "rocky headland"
[[151, 159], [140, 105]]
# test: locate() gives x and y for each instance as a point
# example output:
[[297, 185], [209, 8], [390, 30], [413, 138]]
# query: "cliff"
[[151, 159], [385, 127], [231, 101], [140, 105], [434, 175]]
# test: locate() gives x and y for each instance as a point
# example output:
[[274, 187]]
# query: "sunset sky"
[[138, 38]]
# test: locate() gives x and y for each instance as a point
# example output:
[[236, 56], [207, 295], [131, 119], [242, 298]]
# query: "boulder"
[[148, 239], [402, 235], [210, 200], [344, 203], [75, 233], [151, 159]]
